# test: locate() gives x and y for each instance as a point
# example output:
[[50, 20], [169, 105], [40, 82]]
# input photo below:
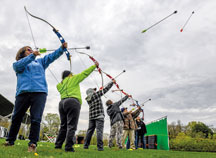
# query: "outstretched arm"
[[104, 90], [136, 112], [48, 59], [81, 76], [121, 101], [126, 113]]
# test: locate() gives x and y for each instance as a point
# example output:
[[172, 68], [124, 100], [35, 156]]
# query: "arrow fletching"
[[42, 50], [144, 31]]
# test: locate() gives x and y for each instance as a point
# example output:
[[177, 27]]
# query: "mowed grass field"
[[46, 150]]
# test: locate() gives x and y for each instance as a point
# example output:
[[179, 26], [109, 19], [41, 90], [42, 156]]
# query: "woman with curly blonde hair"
[[31, 91]]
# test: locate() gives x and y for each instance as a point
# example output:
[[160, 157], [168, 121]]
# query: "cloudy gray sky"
[[174, 69]]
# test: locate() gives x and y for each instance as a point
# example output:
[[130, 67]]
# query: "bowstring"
[[53, 74], [31, 32], [32, 35], [92, 77]]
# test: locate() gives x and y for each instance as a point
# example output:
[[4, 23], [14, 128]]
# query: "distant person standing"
[[116, 121], [69, 106], [140, 132], [96, 115], [31, 91]]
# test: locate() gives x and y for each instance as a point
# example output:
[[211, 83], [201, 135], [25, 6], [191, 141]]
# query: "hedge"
[[186, 143]]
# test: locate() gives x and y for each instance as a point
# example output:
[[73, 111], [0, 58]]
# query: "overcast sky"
[[175, 69]]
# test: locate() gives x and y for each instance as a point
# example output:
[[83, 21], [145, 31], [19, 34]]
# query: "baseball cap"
[[122, 109]]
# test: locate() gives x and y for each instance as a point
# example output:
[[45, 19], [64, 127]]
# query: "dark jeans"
[[128, 144], [36, 101], [136, 142], [99, 125], [69, 110], [137, 136]]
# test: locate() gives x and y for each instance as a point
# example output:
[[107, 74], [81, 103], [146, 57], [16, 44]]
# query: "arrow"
[[186, 22], [143, 31]]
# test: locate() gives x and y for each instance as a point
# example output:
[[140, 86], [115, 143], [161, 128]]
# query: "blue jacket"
[[31, 73]]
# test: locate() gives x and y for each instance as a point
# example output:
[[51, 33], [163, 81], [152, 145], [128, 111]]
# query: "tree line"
[[193, 130]]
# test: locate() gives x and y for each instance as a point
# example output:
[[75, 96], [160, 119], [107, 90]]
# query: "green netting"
[[159, 128]]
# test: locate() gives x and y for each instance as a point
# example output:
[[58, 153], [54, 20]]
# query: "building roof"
[[7, 108]]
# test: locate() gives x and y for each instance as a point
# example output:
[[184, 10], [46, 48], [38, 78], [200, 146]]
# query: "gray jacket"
[[114, 111]]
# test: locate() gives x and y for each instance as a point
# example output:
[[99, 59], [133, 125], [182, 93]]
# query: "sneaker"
[[32, 148], [58, 147], [85, 147], [7, 143], [120, 147], [100, 149], [70, 150]]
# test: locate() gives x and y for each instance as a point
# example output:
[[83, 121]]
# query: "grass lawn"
[[46, 150]]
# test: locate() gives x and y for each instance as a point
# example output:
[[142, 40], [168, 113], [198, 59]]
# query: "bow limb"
[[101, 73], [138, 105], [54, 30], [98, 68], [116, 84], [111, 79]]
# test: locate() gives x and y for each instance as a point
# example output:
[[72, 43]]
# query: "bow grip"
[[59, 36], [62, 41]]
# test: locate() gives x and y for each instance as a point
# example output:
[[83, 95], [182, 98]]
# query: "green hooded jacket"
[[69, 87]]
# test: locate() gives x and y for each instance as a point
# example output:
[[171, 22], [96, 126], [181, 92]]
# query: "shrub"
[[186, 143]]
